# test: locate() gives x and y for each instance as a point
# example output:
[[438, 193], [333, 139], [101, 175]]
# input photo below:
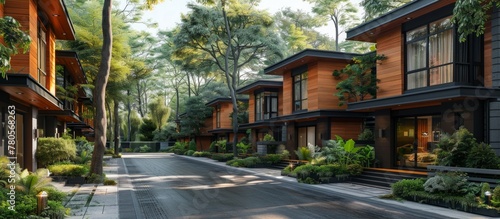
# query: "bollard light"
[[487, 197], [41, 202]]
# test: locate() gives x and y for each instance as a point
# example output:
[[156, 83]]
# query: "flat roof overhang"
[[24, 89], [307, 56], [64, 115], [260, 84], [223, 100], [370, 31], [59, 18], [428, 96], [223, 131]]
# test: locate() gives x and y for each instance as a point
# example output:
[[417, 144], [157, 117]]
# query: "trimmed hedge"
[[68, 170], [53, 150]]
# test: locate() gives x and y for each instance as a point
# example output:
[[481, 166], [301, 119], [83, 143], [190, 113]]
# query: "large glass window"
[[42, 55], [266, 105], [429, 54], [306, 136], [300, 92]]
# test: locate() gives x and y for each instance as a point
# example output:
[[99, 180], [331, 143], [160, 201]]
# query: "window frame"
[[42, 53], [298, 104], [264, 104]]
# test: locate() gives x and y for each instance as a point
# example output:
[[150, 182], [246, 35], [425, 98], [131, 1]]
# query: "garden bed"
[[455, 206]]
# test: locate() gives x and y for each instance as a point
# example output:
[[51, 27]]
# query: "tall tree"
[[471, 16], [13, 39], [100, 88], [232, 34], [341, 12], [375, 8]]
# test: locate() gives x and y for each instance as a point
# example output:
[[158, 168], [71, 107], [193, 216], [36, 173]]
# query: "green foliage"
[[109, 182], [202, 154], [307, 173], [288, 171], [68, 169], [471, 16], [146, 129], [189, 152], [482, 156], [33, 183], [246, 162], [222, 157], [14, 40], [376, 8], [192, 145], [271, 158], [358, 80], [95, 178], [221, 146], [158, 111], [461, 149], [179, 147], [243, 147], [496, 194], [484, 187], [144, 149], [449, 182], [53, 150], [268, 137], [354, 169], [54, 194], [194, 118], [346, 153], [304, 153], [366, 135], [405, 187], [213, 146]]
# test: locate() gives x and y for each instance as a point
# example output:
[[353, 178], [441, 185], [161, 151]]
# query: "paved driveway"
[[167, 186]]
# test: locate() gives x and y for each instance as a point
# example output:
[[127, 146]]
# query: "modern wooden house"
[[31, 84], [301, 108], [222, 128], [430, 83]]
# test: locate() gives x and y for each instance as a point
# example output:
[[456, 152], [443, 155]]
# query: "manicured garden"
[[59, 159]]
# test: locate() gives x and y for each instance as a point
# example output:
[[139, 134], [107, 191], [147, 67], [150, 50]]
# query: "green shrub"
[[454, 149], [212, 147], [54, 194], [449, 182], [144, 149], [222, 157], [304, 153], [109, 182], [221, 146], [110, 151], [405, 187], [189, 153], [201, 154], [95, 178], [482, 156], [243, 147], [326, 171], [496, 194], [307, 173], [246, 162], [68, 169], [268, 137], [52, 150], [271, 158], [192, 145], [366, 135], [484, 187], [288, 171], [354, 169]]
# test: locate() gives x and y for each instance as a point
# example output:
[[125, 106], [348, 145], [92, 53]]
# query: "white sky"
[[168, 13]]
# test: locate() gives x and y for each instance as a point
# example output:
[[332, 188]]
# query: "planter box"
[[263, 147]]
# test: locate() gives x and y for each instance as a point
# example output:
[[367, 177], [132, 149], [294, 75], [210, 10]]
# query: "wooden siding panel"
[[251, 108], [390, 71], [346, 128], [312, 87], [51, 67], [226, 110], [488, 80], [287, 93], [327, 84]]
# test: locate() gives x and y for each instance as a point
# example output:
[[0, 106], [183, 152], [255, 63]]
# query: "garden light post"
[[41, 202], [487, 197]]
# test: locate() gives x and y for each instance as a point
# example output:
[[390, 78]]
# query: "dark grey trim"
[[72, 54], [68, 18], [59, 113], [265, 123], [323, 113], [389, 17], [25, 80], [224, 131], [442, 93], [223, 100], [311, 53], [262, 83]]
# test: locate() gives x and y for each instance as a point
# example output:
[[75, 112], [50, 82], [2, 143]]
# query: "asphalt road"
[[168, 186]]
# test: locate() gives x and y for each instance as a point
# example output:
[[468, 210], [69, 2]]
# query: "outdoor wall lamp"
[[381, 133]]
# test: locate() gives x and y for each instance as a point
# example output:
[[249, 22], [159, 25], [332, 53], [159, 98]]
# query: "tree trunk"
[[117, 126], [129, 125], [101, 82]]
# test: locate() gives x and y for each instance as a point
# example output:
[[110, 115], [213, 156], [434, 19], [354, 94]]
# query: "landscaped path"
[[168, 186]]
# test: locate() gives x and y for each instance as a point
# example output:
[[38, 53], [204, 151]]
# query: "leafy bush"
[[95, 178], [366, 135], [144, 149], [192, 145], [109, 182], [303, 153], [68, 170], [246, 162], [346, 153], [110, 151], [212, 147], [222, 157], [189, 153], [405, 187], [54, 194], [201, 154], [268, 137], [31, 183], [271, 158], [221, 146], [449, 182], [307, 173], [453, 150], [52, 150], [288, 171], [243, 147], [354, 169], [482, 156]]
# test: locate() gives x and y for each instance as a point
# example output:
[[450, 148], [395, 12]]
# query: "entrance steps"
[[382, 177]]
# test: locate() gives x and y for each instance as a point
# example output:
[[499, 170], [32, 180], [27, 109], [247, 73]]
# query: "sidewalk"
[[94, 200]]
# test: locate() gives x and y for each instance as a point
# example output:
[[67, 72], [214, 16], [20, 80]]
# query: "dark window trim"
[[295, 72], [263, 107], [299, 70]]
